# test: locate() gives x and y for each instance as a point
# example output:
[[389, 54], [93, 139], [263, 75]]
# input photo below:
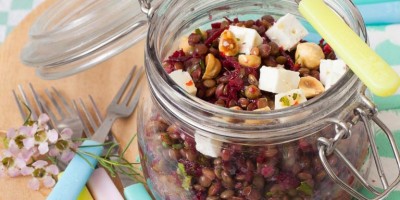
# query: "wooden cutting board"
[[101, 81]]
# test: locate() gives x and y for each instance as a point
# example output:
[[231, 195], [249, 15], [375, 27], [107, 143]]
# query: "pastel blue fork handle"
[[136, 192], [76, 174]]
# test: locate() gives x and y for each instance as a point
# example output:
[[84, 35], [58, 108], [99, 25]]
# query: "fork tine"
[[96, 110], [85, 128], [27, 102], [97, 113], [53, 121], [53, 100], [64, 101], [18, 102], [133, 86], [36, 99], [88, 115], [123, 87], [134, 101], [48, 111]]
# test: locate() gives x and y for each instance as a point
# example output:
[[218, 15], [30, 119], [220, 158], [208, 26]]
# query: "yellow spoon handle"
[[373, 71]]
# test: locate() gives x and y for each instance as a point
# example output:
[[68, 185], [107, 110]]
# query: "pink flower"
[[27, 154], [35, 136], [34, 184], [41, 140], [43, 148], [26, 143], [33, 130], [52, 136], [11, 133], [63, 146], [29, 142], [13, 147], [21, 139], [41, 172], [43, 119], [25, 130], [11, 164], [66, 134]]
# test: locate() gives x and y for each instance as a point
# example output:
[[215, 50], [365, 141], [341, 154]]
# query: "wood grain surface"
[[101, 81]]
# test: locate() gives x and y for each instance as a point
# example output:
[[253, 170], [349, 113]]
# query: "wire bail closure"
[[363, 112], [145, 6]]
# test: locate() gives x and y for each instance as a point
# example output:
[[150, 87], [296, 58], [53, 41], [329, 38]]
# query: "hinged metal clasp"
[[363, 113], [145, 6]]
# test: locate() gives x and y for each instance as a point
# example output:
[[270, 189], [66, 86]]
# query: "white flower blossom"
[[41, 172], [11, 164], [30, 142], [63, 146]]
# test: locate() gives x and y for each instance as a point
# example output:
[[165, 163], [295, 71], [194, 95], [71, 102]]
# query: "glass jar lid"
[[74, 35]]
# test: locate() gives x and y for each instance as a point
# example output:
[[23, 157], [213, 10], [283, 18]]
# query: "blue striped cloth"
[[383, 19]]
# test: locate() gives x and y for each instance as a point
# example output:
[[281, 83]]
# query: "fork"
[[24, 102], [92, 121], [100, 183], [82, 165], [39, 104], [68, 119]]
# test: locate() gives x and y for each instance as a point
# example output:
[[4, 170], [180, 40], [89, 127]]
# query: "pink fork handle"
[[102, 187]]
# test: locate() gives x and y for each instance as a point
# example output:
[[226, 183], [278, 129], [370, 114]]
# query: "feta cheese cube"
[[280, 66], [277, 80], [290, 98], [184, 80], [247, 38], [207, 146], [331, 71], [287, 31]]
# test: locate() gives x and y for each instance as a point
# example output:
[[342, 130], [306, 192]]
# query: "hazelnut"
[[250, 60], [213, 67], [311, 86], [255, 51], [252, 92], [228, 44], [309, 55]]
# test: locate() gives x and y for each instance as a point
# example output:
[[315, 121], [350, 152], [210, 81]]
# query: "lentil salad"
[[220, 71]]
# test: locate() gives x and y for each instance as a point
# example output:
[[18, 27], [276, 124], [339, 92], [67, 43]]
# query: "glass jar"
[[191, 149], [292, 153]]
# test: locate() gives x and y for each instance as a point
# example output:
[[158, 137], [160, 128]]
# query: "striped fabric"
[[362, 2], [12, 12], [384, 39]]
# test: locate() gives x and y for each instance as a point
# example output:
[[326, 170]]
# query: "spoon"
[[372, 70]]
